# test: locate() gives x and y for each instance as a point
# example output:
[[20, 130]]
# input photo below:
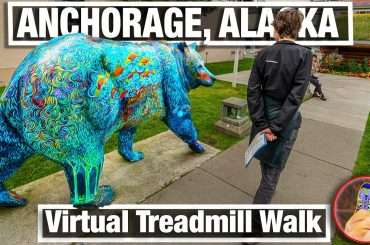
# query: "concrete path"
[[240, 78], [167, 158], [323, 156], [348, 104], [322, 159]]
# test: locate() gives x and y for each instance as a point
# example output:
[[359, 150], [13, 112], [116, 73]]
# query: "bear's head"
[[195, 71]]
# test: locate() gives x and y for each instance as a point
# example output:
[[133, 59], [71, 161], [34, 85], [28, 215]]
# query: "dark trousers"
[[271, 174], [267, 187], [316, 83]]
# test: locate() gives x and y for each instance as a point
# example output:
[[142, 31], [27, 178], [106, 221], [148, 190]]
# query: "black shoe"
[[323, 98]]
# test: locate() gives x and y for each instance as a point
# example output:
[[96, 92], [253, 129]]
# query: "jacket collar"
[[286, 42]]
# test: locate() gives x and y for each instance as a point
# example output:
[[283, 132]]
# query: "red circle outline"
[[334, 207]]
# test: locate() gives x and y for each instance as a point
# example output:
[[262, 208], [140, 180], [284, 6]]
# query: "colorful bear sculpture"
[[69, 96]]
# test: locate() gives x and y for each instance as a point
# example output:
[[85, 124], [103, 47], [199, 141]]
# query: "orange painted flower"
[[118, 71], [144, 61], [145, 73], [131, 56], [101, 81], [113, 92]]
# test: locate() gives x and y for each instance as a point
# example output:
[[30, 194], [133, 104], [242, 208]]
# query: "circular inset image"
[[351, 209]]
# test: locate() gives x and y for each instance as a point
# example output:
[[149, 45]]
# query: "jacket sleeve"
[[254, 95], [296, 95]]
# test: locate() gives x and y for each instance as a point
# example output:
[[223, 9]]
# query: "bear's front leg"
[[179, 121], [83, 173], [126, 141]]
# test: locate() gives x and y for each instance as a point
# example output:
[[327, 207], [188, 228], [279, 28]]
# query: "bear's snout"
[[206, 77]]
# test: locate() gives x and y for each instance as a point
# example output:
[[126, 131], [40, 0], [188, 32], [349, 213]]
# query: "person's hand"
[[358, 226], [270, 136]]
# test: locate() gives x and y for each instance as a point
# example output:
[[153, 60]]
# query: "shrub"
[[332, 61], [353, 66], [365, 65]]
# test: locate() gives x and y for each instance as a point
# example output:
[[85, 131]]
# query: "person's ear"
[[276, 35]]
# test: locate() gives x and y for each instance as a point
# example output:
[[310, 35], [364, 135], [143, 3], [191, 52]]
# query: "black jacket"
[[281, 72]]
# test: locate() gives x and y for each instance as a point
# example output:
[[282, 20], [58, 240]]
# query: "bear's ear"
[[181, 46], [193, 46]]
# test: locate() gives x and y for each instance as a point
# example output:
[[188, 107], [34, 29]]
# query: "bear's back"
[[51, 92]]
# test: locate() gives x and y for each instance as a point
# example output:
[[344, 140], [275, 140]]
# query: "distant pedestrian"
[[314, 80], [277, 85]]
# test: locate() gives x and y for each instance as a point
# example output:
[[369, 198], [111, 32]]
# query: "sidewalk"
[[323, 156], [167, 158], [240, 78]]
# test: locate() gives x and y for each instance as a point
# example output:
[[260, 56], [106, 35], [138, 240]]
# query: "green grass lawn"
[[361, 27], [206, 107], [362, 167], [228, 66]]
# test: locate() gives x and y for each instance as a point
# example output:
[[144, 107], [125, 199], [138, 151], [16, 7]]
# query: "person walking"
[[276, 88], [314, 80]]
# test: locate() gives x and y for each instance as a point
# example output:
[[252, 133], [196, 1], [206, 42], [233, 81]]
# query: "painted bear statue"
[[69, 95]]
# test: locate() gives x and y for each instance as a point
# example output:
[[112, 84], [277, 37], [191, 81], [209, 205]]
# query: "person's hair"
[[287, 23], [314, 55]]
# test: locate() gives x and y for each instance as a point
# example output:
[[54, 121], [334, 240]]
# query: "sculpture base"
[[233, 130], [167, 158]]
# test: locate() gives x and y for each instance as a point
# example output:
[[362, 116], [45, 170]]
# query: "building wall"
[[10, 57]]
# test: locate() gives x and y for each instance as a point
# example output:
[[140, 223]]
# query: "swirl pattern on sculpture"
[[69, 95]]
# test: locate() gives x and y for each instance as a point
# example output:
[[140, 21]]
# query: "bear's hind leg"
[[181, 124], [83, 173], [126, 141], [13, 152]]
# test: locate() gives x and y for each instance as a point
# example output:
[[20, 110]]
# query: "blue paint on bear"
[[69, 95]]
